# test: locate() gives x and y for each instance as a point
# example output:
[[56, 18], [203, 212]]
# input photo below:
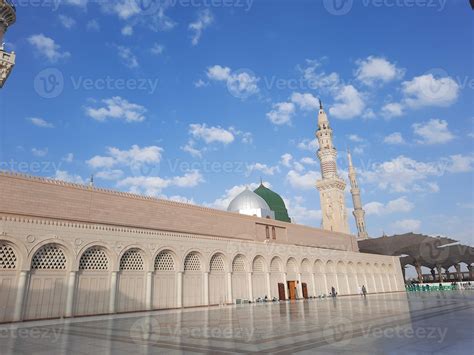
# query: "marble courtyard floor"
[[399, 323]]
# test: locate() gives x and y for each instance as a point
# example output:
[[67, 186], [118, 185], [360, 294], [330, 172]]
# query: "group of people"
[[362, 291]]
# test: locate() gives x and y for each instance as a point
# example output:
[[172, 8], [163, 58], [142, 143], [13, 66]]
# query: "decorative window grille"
[[267, 232], [291, 265], [306, 266], [7, 257], [258, 265], [275, 266], [217, 263], [49, 257], [164, 261], [132, 260], [94, 258], [274, 233], [238, 264], [192, 262]]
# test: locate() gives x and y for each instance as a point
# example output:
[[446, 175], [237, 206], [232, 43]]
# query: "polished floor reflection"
[[422, 323]]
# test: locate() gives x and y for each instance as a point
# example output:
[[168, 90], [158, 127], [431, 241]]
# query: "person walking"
[[364, 291]]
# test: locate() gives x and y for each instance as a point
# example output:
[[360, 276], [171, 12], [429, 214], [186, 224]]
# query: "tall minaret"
[[7, 59], [358, 212], [331, 186]]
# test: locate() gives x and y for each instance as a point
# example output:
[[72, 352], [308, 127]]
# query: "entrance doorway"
[[281, 291], [304, 288], [292, 290]]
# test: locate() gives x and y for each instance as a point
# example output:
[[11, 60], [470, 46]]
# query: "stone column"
[[149, 290], [470, 268], [349, 292], [71, 286], [179, 290], [440, 273], [229, 288], [419, 273], [285, 284], [269, 288], [313, 284], [113, 291], [206, 288], [300, 287], [403, 273], [20, 296], [458, 272], [250, 286]]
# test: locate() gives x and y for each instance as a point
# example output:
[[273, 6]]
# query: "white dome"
[[247, 200]]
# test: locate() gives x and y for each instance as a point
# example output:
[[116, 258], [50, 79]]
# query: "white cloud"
[[245, 137], [434, 131], [93, 25], [47, 48], [65, 176], [264, 168], [190, 148], [374, 70], [281, 113], [223, 201], [128, 58], [427, 90], [67, 22], [309, 144], [349, 103], [406, 225], [398, 205], [303, 181], [306, 101], [38, 152], [204, 20], [241, 84], [117, 108], [153, 185], [355, 138], [127, 30], [134, 157], [39, 122], [211, 134], [200, 83], [111, 174], [124, 9], [392, 109], [459, 163], [318, 79], [308, 161], [286, 160], [402, 174], [157, 49], [301, 214], [68, 158], [394, 138]]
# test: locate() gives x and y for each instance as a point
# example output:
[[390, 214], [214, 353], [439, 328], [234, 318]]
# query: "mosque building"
[[73, 250]]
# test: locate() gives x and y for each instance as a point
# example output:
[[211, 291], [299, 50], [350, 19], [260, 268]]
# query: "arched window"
[[274, 234], [192, 262], [275, 265], [132, 260], [217, 263], [94, 258], [291, 265], [164, 261], [238, 264], [267, 232], [7, 257], [258, 264], [49, 257]]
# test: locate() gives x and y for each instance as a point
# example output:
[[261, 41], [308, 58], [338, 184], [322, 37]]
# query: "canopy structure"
[[423, 250]]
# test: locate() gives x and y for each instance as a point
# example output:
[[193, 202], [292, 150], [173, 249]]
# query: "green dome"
[[275, 202]]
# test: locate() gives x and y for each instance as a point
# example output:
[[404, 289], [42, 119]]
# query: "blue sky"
[[194, 100]]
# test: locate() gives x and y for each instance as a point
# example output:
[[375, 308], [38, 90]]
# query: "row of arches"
[[50, 282]]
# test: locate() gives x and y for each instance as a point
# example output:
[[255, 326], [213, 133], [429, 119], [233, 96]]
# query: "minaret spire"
[[331, 186], [358, 212]]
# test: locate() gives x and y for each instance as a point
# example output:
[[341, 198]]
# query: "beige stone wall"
[[39, 197]]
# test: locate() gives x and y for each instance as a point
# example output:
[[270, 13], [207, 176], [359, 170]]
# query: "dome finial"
[[320, 104]]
